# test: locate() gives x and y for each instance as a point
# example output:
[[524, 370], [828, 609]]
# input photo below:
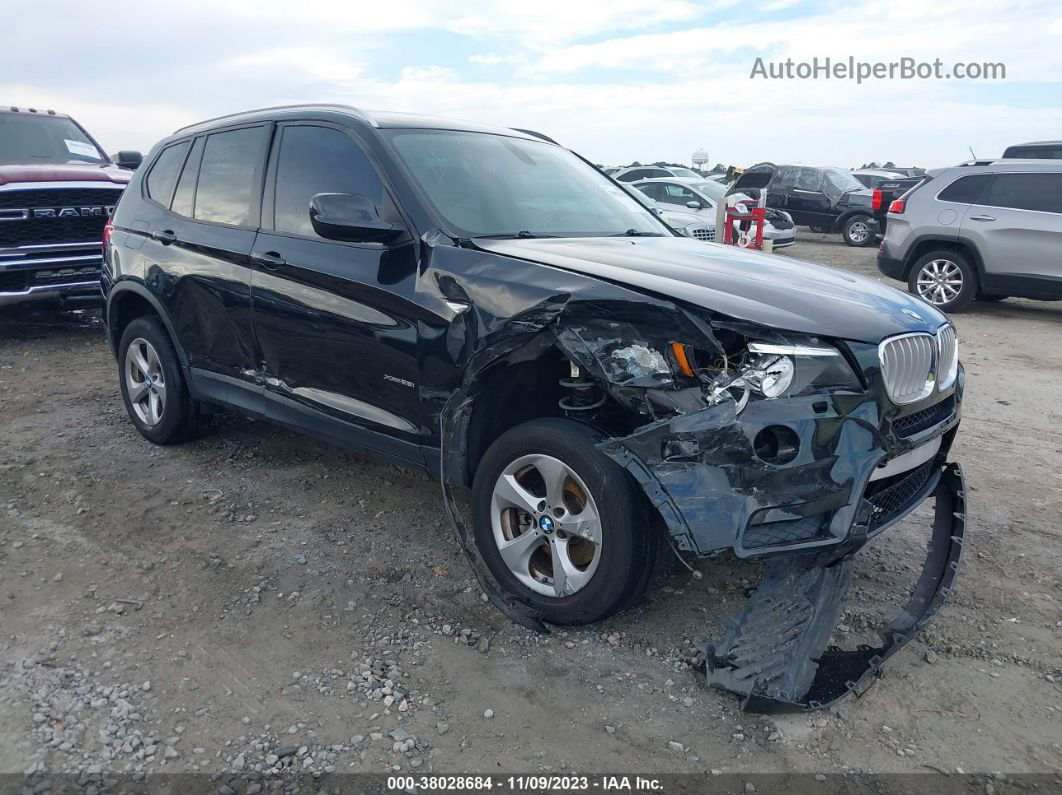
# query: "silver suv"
[[984, 230]]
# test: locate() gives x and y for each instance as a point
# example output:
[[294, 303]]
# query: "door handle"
[[164, 236], [269, 260], [982, 218]]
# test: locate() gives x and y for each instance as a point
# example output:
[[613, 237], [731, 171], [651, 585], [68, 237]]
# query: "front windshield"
[[494, 186], [30, 138], [713, 190], [843, 181]]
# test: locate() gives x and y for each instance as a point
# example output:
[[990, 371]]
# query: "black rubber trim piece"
[[774, 654]]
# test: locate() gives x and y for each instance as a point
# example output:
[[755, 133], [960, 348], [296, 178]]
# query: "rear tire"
[[856, 231], [945, 279], [545, 481], [152, 383]]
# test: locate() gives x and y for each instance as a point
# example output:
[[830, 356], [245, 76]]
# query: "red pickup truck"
[[57, 190]]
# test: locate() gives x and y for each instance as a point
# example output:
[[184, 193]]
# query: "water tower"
[[700, 159]]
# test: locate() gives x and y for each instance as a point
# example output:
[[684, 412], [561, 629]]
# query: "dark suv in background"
[[826, 199], [57, 189], [486, 306]]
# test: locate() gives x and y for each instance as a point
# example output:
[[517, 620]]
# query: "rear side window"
[[163, 174], [809, 179], [184, 196], [1039, 192], [677, 194], [319, 160], [638, 173], [1035, 153], [965, 190], [784, 177], [227, 176], [651, 189]]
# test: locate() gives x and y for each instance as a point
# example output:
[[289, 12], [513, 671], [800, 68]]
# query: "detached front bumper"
[[776, 653], [803, 483]]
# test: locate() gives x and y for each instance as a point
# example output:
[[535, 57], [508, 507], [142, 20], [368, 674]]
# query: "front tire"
[[561, 525], [856, 231], [945, 279], [152, 383]]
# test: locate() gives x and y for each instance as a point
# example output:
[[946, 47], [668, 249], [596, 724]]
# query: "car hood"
[[64, 172], [679, 218], [769, 289]]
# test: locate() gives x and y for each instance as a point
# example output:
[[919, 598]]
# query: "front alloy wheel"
[[546, 525], [561, 526]]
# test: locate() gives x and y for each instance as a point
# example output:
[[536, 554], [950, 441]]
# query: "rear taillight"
[[875, 203], [107, 229], [898, 206]]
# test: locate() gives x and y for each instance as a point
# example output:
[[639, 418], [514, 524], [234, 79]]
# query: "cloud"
[[621, 80]]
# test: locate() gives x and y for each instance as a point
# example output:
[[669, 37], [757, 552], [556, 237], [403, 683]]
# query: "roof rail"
[[358, 111], [542, 136]]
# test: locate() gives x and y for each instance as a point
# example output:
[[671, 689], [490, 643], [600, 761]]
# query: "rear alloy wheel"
[[561, 525], [145, 382], [152, 384], [857, 232], [944, 279]]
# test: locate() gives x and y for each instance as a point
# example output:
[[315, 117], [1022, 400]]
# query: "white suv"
[[984, 230]]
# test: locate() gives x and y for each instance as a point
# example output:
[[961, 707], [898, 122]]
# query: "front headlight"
[[768, 370]]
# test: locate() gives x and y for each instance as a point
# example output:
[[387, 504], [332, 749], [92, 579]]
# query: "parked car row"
[[701, 197]]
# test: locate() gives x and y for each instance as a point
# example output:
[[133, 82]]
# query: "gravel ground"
[[258, 604]]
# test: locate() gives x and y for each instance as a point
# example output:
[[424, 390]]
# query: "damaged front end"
[[797, 457], [770, 445]]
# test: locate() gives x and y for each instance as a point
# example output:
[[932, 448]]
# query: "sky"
[[616, 80]]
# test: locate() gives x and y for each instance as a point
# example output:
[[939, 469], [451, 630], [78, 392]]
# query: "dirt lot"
[[255, 601]]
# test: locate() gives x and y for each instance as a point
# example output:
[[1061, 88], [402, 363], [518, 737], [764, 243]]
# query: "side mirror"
[[128, 159], [693, 204], [350, 217]]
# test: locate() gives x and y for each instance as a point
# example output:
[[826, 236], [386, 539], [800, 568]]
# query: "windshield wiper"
[[636, 233], [521, 235]]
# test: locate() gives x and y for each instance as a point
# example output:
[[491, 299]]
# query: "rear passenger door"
[[1016, 224], [202, 245], [807, 202], [334, 320]]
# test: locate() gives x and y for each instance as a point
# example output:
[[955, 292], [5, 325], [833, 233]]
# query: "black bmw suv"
[[483, 304]]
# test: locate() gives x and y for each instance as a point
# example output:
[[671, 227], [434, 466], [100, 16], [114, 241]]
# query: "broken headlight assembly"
[[765, 370]]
